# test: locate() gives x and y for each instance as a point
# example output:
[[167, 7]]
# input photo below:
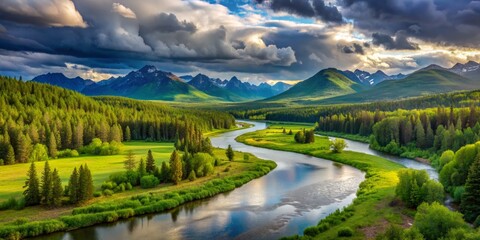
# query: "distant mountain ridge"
[[150, 83], [58, 79]]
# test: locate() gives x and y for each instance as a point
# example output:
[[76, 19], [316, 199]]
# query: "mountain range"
[[150, 83], [328, 86]]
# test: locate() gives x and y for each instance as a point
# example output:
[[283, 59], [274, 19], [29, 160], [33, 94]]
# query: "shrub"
[[345, 232], [128, 186], [192, 176], [311, 231], [68, 153], [338, 145], [13, 203], [149, 181], [97, 194], [457, 193], [435, 220], [107, 192]]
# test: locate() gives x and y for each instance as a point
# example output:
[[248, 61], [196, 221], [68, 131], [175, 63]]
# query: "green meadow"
[[12, 177], [371, 212]]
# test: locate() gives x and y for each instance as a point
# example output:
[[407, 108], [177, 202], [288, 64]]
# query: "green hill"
[[325, 84], [420, 83]]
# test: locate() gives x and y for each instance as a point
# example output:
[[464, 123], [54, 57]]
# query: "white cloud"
[[56, 13], [123, 11]]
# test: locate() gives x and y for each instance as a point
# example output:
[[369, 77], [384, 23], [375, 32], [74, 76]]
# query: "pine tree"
[[32, 191], [230, 154], [429, 137], [150, 162], [128, 134], [176, 167], [47, 185], [470, 204], [23, 148], [165, 172], [73, 186], [420, 134], [89, 183], [142, 169], [10, 157], [52, 146], [78, 136], [82, 184], [130, 162], [85, 184], [57, 190]]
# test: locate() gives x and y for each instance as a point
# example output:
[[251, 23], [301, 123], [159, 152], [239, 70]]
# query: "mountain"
[[235, 90], [214, 87], [368, 79], [470, 69], [186, 78], [58, 79], [422, 82], [326, 83], [149, 83]]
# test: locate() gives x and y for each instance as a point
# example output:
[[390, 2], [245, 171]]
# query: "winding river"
[[299, 192]]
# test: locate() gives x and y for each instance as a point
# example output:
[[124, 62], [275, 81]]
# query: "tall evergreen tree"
[[176, 167], [470, 204], [89, 183], [32, 191], [420, 134], [46, 195], [10, 156], [165, 173], [128, 134], [229, 152], [57, 189], [23, 148], [78, 136], [142, 170], [82, 184], [130, 162], [73, 186], [52, 145], [150, 162]]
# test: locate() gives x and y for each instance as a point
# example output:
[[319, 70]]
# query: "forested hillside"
[[39, 119]]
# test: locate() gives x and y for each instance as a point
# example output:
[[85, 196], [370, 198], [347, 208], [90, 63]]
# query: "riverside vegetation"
[[389, 196]]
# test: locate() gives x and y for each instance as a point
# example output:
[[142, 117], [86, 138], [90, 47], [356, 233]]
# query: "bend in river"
[[297, 194]]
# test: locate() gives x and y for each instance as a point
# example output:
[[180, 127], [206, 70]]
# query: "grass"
[[370, 209], [119, 206], [13, 177], [354, 137]]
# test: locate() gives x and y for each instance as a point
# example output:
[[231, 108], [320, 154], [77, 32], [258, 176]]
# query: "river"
[[297, 194]]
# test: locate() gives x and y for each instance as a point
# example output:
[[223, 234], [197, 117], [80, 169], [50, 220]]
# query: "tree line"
[[37, 118]]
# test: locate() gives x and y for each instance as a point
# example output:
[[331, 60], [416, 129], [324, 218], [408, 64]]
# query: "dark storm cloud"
[[307, 8], [355, 48], [441, 21], [399, 43], [169, 23]]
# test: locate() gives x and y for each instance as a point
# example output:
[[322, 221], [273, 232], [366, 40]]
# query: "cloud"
[[399, 43], [306, 8], [355, 48], [438, 21], [123, 11], [56, 13]]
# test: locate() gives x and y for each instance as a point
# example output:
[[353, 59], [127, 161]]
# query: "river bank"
[[370, 212]]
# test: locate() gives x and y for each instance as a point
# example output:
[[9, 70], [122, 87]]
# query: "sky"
[[255, 40]]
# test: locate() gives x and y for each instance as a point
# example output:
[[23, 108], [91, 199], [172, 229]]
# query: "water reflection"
[[299, 192]]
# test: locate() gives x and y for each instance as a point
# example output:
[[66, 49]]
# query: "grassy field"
[[235, 168], [371, 212], [12, 177]]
